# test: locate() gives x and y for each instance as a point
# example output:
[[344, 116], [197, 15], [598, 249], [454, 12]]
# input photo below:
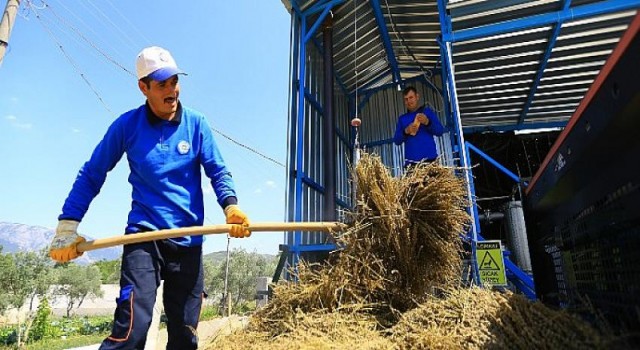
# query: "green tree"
[[77, 282], [244, 269], [24, 276], [109, 271], [9, 279]]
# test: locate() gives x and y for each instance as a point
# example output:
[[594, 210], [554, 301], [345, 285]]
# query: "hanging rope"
[[355, 122]]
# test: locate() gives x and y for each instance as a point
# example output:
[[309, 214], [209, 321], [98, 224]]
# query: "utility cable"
[[89, 42], [101, 13], [105, 55], [247, 147], [66, 55], [129, 22]]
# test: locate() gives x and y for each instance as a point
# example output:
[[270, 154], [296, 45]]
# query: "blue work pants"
[[143, 266]]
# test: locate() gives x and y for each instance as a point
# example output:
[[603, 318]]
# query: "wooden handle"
[[206, 230]]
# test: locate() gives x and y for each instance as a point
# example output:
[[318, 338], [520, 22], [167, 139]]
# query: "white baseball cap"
[[156, 63]]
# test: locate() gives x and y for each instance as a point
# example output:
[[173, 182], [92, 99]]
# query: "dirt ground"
[[207, 330]]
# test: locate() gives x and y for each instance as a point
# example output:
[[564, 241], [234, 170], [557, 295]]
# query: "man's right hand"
[[64, 244]]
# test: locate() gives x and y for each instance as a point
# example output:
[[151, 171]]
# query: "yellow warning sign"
[[490, 263]]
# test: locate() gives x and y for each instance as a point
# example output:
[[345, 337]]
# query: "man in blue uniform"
[[166, 145], [416, 129]]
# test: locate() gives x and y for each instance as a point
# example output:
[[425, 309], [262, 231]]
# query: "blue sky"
[[237, 57]]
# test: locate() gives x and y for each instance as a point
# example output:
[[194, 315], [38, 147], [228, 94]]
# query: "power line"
[[248, 148], [113, 61], [128, 21], [89, 42], [101, 13], [66, 55]]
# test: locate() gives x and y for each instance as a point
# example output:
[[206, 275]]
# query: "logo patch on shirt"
[[183, 147]]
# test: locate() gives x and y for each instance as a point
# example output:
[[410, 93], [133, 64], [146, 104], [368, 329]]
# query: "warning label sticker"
[[491, 263]]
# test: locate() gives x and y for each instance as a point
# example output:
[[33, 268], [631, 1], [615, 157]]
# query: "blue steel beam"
[[312, 101], [485, 6], [447, 59], [513, 127], [543, 65], [313, 248], [495, 163], [318, 7], [364, 101], [317, 24], [384, 34], [526, 284], [292, 114], [377, 143], [302, 68], [571, 14]]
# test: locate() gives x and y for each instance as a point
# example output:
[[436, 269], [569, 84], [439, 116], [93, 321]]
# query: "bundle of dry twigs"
[[396, 282]]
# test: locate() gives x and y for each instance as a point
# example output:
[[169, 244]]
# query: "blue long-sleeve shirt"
[[164, 160], [422, 146]]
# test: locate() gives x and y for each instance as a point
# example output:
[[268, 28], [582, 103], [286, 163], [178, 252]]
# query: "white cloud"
[[258, 190], [16, 124], [75, 130], [270, 184]]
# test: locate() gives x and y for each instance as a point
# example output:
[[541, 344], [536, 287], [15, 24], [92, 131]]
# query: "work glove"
[[236, 216], [64, 243]]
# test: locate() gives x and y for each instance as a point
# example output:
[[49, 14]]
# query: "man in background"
[[417, 129]]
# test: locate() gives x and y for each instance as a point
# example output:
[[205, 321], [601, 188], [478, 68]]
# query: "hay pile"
[[396, 283]]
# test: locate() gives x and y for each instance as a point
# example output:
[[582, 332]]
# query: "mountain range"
[[19, 237], [25, 238]]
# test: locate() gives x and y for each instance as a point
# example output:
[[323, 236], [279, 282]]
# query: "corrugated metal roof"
[[503, 79]]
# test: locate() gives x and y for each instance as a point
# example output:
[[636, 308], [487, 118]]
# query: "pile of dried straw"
[[396, 283]]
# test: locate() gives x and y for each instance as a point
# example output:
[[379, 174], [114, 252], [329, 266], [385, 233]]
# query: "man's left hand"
[[422, 119], [240, 220]]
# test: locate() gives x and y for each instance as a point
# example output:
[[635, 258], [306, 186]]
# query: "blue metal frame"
[[297, 235], [312, 100], [457, 136], [571, 14], [495, 163], [521, 280], [384, 34], [543, 64], [305, 33], [302, 37], [377, 143]]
